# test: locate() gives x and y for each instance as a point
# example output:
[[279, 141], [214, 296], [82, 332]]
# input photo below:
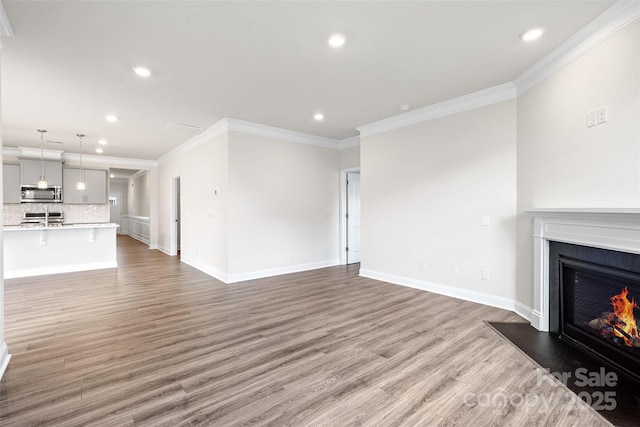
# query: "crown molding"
[[234, 125], [89, 159], [218, 128], [602, 27], [138, 174], [353, 141], [110, 162], [10, 152], [473, 100], [38, 153], [279, 133], [5, 25]]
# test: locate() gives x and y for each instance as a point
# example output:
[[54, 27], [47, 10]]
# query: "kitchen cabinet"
[[95, 191], [30, 171], [11, 183]]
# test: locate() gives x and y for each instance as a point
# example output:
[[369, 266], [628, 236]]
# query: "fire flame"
[[624, 325]]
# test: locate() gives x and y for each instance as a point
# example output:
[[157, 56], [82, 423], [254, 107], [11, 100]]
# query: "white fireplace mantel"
[[615, 229]]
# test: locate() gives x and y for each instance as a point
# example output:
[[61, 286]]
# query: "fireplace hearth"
[[593, 294]]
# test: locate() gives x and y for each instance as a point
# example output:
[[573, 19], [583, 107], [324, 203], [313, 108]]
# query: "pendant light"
[[81, 185], [42, 183]]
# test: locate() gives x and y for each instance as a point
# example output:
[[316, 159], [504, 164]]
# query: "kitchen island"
[[38, 250]]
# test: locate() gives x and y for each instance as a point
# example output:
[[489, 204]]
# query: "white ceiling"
[[70, 63]]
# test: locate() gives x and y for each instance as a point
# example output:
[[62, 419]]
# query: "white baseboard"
[[28, 272], [206, 269], [153, 247], [4, 358], [536, 321], [241, 277], [523, 311], [139, 237], [463, 294], [162, 249]]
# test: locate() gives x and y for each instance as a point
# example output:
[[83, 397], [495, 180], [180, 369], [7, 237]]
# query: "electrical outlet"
[[455, 270], [484, 273], [422, 264], [484, 221]]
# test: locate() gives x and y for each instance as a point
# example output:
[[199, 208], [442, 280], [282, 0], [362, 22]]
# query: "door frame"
[[117, 195], [343, 212], [173, 237]]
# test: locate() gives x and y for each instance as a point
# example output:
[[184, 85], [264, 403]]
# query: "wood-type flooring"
[[158, 343]]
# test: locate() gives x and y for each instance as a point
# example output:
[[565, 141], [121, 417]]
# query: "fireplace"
[[612, 229], [592, 301]]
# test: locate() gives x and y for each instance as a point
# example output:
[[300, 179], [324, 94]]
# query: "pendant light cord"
[[81, 185], [42, 156], [42, 132]]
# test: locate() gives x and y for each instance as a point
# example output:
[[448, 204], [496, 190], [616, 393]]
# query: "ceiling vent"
[[186, 130]]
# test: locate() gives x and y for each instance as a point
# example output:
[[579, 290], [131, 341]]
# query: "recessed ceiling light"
[[318, 117], [532, 34], [99, 150], [111, 175], [103, 142], [111, 118], [142, 71], [336, 40], [405, 107]]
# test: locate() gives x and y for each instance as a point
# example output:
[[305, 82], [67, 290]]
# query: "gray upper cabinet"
[[11, 183], [95, 191], [30, 171]]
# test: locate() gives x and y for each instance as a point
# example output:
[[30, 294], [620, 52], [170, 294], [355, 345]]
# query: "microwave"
[[33, 194]]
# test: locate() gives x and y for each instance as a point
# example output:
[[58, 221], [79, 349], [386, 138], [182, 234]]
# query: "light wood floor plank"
[[158, 343]]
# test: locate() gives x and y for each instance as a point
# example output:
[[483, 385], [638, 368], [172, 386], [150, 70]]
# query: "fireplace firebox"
[[594, 302]]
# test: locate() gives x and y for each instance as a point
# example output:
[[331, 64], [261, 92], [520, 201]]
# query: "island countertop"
[[60, 227]]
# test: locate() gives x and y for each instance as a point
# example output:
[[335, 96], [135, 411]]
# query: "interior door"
[[178, 213], [175, 238], [353, 218]]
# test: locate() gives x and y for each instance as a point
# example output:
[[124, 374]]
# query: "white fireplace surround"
[[615, 229]]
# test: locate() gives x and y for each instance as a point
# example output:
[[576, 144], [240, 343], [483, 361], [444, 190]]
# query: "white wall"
[[283, 206], [252, 206], [349, 158], [138, 195], [203, 170], [4, 352], [561, 162], [424, 189]]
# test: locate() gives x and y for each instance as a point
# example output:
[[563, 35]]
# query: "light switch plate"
[[601, 114]]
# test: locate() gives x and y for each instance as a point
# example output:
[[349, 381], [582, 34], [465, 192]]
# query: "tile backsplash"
[[13, 213]]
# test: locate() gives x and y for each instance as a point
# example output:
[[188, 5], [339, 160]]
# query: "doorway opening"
[[350, 216], [115, 210], [134, 203], [175, 217]]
